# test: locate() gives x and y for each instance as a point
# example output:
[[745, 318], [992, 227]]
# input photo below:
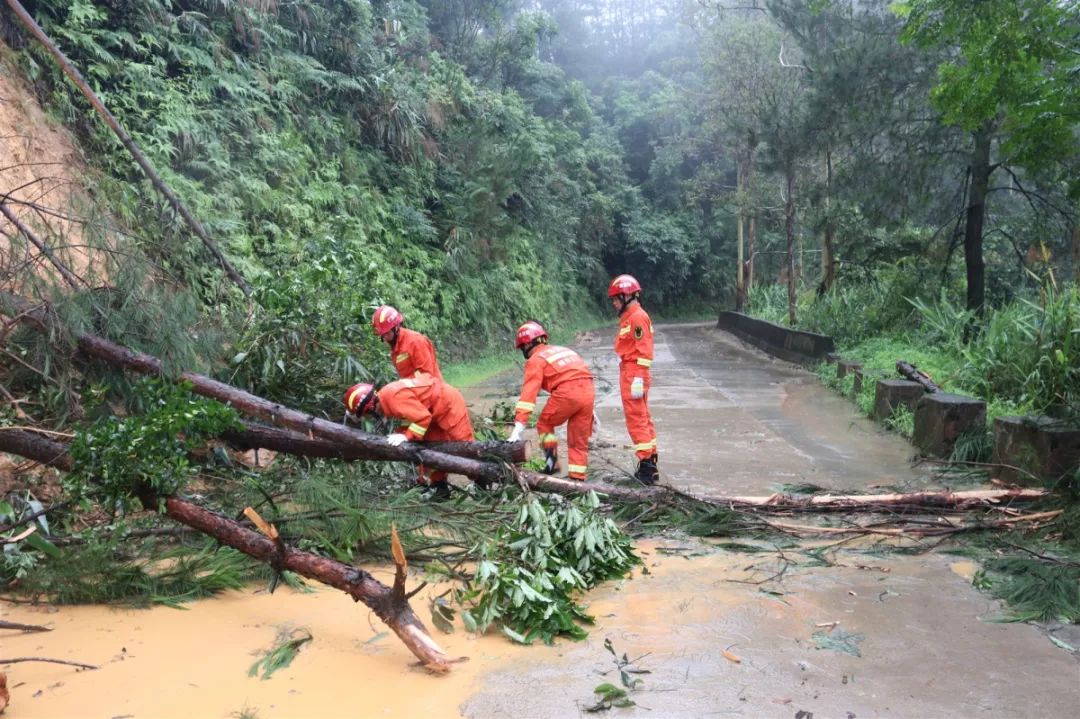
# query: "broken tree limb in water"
[[394, 610], [24, 627], [943, 530]]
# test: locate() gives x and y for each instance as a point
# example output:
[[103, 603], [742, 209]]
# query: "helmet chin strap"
[[624, 301]]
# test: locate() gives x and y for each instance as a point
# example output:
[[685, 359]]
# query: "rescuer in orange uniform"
[[565, 376], [634, 346], [430, 411], [410, 351]]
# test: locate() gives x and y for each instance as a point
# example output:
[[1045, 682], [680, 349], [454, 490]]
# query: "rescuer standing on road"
[[562, 373], [634, 346], [410, 351], [430, 411]]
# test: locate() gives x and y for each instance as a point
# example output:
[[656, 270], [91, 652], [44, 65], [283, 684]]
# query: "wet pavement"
[[732, 420], [824, 629]]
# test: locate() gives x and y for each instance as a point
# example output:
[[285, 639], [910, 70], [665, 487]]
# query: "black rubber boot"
[[439, 492], [551, 461], [647, 471]]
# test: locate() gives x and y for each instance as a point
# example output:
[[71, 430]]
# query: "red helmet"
[[358, 398], [623, 285], [385, 319], [528, 332]]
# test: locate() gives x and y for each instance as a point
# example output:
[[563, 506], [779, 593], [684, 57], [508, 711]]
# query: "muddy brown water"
[[855, 635]]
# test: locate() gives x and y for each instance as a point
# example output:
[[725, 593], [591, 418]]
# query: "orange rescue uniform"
[[430, 411], [563, 373], [412, 353], [634, 346]]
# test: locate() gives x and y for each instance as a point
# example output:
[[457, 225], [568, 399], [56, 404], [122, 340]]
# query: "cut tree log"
[[911, 372], [393, 608], [256, 436]]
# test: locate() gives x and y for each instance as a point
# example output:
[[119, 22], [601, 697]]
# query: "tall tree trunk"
[[740, 278], [828, 263], [976, 213], [1076, 253], [751, 249], [789, 228]]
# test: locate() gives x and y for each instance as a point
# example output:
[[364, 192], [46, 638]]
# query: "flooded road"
[[806, 627]]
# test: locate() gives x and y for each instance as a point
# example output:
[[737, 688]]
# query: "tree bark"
[[828, 261], [976, 213], [913, 373], [751, 251], [69, 276], [77, 78], [256, 436], [789, 228], [740, 220], [393, 609]]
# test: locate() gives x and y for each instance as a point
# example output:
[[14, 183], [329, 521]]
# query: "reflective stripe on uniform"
[[525, 406], [651, 444], [576, 468], [548, 439], [624, 330], [417, 429], [644, 362], [402, 357], [556, 356]]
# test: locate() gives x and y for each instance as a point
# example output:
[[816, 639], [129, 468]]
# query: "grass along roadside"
[[482, 367]]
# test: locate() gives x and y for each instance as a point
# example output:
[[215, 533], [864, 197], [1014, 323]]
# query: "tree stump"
[[892, 393], [941, 417], [856, 384], [846, 367], [1030, 450]]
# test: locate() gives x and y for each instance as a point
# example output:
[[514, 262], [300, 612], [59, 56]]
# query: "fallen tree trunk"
[[256, 436], [913, 373], [390, 606], [375, 447]]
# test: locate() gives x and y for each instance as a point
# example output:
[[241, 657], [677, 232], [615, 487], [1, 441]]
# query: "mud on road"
[[819, 630]]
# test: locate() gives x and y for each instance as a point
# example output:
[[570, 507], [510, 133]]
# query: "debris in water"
[[838, 640], [281, 656]]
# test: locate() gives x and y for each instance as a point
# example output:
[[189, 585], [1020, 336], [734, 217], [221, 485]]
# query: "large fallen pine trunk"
[[390, 604], [371, 446], [255, 436]]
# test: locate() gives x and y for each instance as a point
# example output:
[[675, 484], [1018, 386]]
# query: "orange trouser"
[[638, 422], [571, 402], [450, 423]]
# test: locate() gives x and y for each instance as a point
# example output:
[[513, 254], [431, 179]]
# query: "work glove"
[[515, 435], [637, 388], [396, 439]]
